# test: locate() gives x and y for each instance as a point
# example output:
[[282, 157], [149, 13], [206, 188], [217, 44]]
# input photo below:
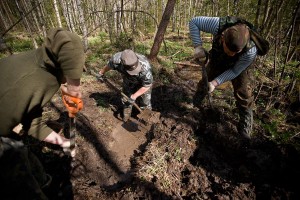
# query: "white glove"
[[201, 54], [211, 87]]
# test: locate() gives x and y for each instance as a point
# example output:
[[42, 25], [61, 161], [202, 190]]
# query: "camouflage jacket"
[[144, 78]]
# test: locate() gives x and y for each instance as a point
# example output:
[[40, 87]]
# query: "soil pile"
[[188, 154]]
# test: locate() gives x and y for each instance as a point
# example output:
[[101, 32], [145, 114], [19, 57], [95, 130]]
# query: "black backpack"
[[262, 44]]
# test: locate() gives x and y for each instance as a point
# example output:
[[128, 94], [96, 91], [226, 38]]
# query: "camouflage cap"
[[236, 37]]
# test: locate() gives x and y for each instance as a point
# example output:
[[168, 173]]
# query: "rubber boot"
[[246, 122], [126, 113]]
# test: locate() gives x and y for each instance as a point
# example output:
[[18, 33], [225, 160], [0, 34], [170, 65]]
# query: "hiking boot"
[[245, 123], [127, 113]]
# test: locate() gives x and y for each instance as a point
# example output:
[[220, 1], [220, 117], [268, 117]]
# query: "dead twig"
[[187, 64], [295, 135], [258, 92]]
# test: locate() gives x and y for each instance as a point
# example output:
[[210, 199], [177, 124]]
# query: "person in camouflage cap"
[[137, 78], [28, 81], [230, 59]]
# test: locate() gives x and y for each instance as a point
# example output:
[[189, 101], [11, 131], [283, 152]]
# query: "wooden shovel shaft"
[[118, 90], [122, 93], [205, 79], [204, 74]]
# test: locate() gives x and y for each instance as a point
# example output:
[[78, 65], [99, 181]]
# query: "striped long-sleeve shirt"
[[211, 25]]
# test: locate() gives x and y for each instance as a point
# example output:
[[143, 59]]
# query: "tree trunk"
[[26, 24], [41, 18], [109, 20], [69, 15], [162, 29], [57, 13], [82, 25], [3, 19], [256, 21], [65, 13], [290, 41]]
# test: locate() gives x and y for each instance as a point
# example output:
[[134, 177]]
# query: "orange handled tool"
[[74, 107]]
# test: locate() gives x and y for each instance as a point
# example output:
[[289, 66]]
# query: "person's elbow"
[[192, 22]]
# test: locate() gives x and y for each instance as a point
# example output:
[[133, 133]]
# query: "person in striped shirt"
[[230, 59]]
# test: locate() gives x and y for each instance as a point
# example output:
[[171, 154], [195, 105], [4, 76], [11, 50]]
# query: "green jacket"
[[29, 80]]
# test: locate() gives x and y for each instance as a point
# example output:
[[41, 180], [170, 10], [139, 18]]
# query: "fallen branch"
[[187, 64]]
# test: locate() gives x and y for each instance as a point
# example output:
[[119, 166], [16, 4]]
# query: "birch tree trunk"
[[67, 11], [34, 15], [82, 25], [57, 13], [8, 12], [3, 18], [26, 24], [41, 18]]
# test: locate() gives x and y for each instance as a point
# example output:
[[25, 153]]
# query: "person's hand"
[[72, 103], [66, 146], [211, 87], [200, 54], [72, 87], [100, 77], [130, 101]]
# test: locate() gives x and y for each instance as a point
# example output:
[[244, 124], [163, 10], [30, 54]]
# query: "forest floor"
[[187, 154]]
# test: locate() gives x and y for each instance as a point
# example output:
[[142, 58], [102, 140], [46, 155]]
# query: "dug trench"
[[187, 154]]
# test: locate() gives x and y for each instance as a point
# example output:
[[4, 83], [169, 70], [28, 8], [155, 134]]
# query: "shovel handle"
[[118, 90], [134, 104], [205, 78]]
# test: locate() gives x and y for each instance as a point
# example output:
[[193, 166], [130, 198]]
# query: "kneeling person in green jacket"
[[28, 81]]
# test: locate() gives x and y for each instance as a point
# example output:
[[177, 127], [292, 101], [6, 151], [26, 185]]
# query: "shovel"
[[205, 79], [145, 116], [215, 114], [72, 123]]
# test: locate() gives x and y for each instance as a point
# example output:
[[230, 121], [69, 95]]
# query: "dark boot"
[[246, 122]]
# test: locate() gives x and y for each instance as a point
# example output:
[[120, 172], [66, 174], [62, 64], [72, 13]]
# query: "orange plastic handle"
[[74, 107]]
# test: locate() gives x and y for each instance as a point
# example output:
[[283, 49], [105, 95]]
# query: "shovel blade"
[[149, 117]]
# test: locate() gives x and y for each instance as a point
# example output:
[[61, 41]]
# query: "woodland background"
[[189, 154], [107, 26]]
